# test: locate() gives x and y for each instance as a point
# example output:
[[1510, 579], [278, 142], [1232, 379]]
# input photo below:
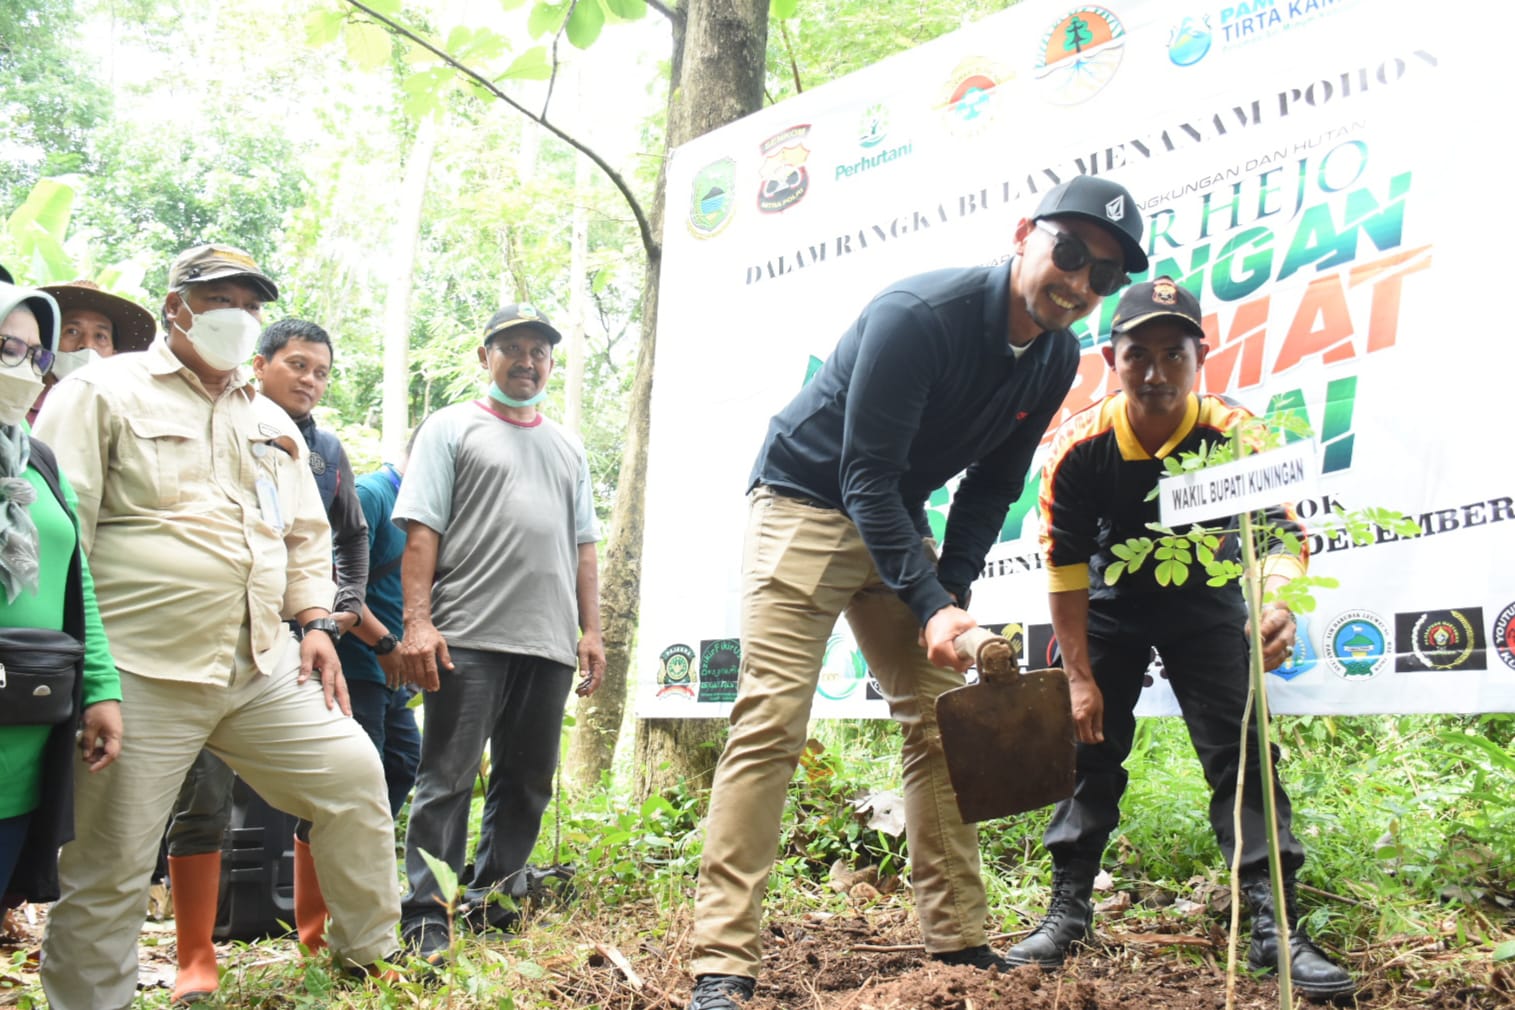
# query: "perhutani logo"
[[872, 132], [1439, 640], [712, 198], [676, 672], [1190, 41], [1302, 658], [1357, 645], [974, 96], [1079, 55], [1504, 635], [784, 177]]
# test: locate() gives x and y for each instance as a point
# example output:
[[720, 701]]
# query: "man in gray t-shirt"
[[501, 591]]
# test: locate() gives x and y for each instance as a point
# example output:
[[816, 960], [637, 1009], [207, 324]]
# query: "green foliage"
[[821, 40], [1176, 553], [51, 100], [37, 229]]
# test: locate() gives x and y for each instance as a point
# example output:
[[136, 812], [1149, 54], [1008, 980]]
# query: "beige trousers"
[[300, 757], [802, 567]]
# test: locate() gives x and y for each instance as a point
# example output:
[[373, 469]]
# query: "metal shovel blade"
[[1009, 739]]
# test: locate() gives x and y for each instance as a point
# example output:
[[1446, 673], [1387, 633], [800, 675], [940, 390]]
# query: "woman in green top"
[[44, 583]]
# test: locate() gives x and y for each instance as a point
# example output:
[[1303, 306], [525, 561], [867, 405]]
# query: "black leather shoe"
[[490, 917], [1069, 916], [427, 939], [1313, 973], [980, 957], [721, 992]]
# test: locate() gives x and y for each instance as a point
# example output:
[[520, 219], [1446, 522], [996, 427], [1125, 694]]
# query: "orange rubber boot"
[[195, 886], [310, 907]]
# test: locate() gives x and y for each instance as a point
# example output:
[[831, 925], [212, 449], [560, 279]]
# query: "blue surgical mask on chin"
[[496, 393]]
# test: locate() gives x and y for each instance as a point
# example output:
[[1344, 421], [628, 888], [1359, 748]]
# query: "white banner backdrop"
[[1303, 167]]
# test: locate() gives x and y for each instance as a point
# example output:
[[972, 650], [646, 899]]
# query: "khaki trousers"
[[803, 566], [299, 756]]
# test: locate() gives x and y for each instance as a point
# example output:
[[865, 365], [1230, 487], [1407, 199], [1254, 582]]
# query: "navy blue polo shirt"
[[921, 387]]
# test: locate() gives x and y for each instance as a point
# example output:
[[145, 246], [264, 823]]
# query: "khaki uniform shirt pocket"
[[162, 462]]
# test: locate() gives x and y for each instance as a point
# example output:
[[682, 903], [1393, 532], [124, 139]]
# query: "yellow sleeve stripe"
[[1067, 578], [1286, 565]]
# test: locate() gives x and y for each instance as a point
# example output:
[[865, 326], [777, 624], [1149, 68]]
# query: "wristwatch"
[[385, 645], [325, 624]]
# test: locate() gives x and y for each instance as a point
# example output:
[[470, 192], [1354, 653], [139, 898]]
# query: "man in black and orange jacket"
[[1095, 494]]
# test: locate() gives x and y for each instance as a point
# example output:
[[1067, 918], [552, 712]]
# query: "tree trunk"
[[719, 53], [578, 295], [395, 420]]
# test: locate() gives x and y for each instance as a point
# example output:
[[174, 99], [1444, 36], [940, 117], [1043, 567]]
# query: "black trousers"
[[1204, 652]]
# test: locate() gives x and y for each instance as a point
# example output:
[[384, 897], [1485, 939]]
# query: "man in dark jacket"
[[955, 371]]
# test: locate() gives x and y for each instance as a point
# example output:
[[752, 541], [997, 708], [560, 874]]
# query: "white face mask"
[[19, 389], [224, 338], [66, 363]]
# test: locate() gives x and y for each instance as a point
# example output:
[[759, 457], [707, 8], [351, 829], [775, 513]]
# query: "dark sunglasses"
[[14, 350], [1070, 255]]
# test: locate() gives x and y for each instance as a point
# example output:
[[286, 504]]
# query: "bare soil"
[[870, 959]]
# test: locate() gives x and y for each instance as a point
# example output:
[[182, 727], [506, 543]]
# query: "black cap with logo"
[[1103, 202], [1163, 298], [520, 315]]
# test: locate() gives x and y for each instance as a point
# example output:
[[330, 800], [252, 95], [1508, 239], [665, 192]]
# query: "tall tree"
[[718, 72]]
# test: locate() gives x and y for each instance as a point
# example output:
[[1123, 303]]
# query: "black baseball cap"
[[1163, 298], [5, 275], [520, 315], [1103, 202]]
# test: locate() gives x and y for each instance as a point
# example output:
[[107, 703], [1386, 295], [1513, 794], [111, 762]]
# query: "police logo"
[[785, 178], [1165, 291], [1357, 645], [676, 672], [1504, 635], [1440, 640], [317, 463]]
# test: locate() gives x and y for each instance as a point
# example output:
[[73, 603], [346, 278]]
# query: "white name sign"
[[1253, 482]]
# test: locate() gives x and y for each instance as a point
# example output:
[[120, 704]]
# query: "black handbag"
[[38, 670]]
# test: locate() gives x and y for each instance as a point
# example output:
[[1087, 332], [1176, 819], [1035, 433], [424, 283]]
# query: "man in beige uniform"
[[205, 530]]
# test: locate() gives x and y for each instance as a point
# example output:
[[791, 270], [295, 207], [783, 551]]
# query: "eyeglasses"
[[1070, 255], [14, 350]]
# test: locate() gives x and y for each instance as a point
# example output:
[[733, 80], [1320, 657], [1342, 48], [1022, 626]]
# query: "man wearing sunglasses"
[[954, 371]]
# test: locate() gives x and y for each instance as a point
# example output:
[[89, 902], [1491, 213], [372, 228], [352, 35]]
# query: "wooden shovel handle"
[[990, 652]]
